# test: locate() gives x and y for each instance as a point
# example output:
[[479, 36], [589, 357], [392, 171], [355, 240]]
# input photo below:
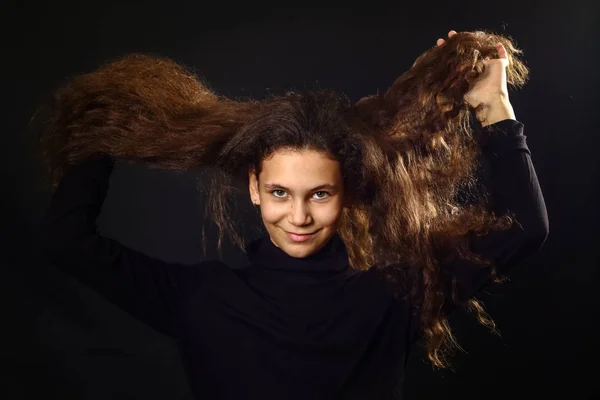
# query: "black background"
[[63, 341]]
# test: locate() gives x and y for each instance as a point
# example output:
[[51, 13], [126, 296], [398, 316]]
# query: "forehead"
[[297, 168]]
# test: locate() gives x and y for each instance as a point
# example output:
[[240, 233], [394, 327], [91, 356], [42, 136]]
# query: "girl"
[[381, 217]]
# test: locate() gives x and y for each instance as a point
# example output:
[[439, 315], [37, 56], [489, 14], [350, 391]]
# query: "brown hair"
[[408, 153]]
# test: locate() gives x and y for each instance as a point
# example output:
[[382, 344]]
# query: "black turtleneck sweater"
[[284, 328]]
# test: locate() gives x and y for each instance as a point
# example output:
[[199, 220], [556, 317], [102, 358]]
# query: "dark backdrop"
[[62, 341]]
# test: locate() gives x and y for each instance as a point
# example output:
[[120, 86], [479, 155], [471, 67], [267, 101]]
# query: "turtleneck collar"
[[331, 258]]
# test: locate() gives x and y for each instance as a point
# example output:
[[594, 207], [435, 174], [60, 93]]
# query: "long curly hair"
[[406, 155]]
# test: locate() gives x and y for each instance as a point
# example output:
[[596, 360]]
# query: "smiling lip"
[[297, 237]]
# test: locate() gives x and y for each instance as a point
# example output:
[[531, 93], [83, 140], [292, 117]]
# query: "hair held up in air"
[[408, 153]]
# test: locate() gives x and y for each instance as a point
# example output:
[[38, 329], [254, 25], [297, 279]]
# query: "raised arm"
[[145, 287], [508, 175], [138, 108], [510, 178]]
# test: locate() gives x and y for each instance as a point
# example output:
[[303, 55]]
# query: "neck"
[[331, 258]]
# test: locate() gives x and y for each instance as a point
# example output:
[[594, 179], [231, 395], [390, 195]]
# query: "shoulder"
[[386, 290], [213, 271], [390, 283], [395, 279], [195, 277], [212, 279]]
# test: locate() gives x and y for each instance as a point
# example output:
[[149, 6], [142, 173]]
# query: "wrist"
[[496, 110]]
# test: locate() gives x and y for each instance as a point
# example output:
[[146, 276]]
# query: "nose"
[[299, 213]]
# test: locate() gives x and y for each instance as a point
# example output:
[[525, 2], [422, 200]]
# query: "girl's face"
[[301, 196]]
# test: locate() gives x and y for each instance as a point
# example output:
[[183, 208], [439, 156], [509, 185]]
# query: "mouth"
[[300, 237]]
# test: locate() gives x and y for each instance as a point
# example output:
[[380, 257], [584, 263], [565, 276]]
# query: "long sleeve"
[[509, 177], [145, 287]]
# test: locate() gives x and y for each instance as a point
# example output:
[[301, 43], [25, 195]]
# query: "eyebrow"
[[276, 186]]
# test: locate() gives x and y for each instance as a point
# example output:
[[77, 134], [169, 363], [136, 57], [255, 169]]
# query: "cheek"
[[328, 215], [272, 212]]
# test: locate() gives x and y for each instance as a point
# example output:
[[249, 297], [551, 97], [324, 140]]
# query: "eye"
[[320, 195], [279, 193]]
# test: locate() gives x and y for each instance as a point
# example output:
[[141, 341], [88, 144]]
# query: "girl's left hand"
[[491, 89]]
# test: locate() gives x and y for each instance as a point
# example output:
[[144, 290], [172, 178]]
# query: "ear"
[[253, 187]]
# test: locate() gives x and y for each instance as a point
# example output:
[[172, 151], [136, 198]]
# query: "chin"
[[302, 249]]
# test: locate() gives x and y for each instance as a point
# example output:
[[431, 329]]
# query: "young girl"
[[381, 217]]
